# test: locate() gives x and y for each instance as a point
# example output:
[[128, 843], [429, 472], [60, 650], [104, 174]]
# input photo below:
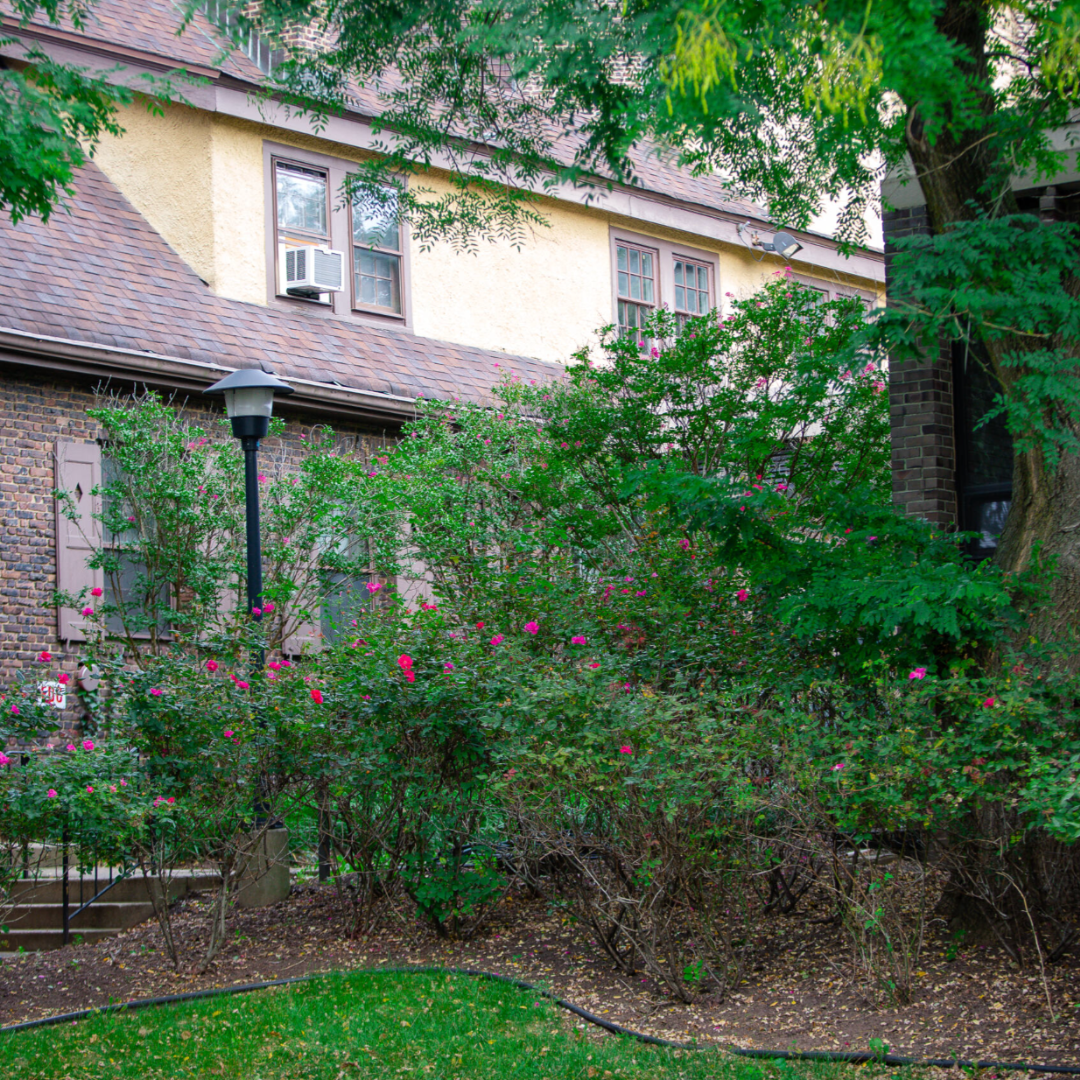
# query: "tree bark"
[[962, 176]]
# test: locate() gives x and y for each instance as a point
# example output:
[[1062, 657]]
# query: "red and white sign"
[[54, 694]]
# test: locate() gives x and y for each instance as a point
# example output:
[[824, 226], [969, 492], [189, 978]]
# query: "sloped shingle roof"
[[101, 275]]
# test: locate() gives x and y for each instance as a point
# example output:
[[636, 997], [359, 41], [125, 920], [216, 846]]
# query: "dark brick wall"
[[921, 410], [35, 411]]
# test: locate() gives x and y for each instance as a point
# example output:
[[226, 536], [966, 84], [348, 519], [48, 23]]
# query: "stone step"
[[100, 915], [49, 889], [41, 940]]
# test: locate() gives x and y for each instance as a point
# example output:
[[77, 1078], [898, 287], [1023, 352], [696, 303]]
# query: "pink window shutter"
[[78, 472]]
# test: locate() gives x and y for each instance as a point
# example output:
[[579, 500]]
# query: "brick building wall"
[[921, 415], [36, 410]]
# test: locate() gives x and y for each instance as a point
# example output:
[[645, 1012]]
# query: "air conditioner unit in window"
[[308, 271]]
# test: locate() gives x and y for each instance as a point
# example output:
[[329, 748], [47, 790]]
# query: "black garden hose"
[[851, 1058]]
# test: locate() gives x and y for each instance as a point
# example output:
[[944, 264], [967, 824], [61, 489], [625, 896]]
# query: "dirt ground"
[[798, 992]]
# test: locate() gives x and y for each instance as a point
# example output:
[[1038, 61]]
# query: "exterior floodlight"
[[249, 401], [783, 243]]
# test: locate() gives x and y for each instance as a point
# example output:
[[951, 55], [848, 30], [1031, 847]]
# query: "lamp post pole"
[[249, 403]]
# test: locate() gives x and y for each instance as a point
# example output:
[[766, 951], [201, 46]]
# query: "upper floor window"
[[692, 293], [650, 273], [305, 209], [376, 237], [636, 278]]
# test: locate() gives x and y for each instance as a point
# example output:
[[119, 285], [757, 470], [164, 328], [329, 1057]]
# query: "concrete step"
[[41, 940], [49, 889], [101, 915]]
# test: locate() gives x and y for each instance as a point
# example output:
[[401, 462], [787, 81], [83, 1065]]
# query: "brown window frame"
[[682, 314], [341, 305], [398, 254], [665, 252], [326, 240], [640, 302]]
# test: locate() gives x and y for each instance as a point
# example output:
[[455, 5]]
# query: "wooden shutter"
[[78, 472]]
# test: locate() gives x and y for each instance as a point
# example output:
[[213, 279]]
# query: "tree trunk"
[[961, 176]]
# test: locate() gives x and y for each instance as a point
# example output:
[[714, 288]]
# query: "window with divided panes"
[[376, 237], [692, 293], [302, 198], [636, 285]]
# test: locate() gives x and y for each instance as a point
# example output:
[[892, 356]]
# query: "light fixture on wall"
[[783, 243]]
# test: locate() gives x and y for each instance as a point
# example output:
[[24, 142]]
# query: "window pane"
[[367, 289], [301, 199], [382, 292], [624, 284], [646, 288], [680, 297], [374, 220], [635, 287], [646, 264], [679, 273], [620, 257], [378, 279], [703, 278]]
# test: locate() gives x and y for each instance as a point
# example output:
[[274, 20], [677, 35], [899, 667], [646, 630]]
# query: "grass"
[[357, 1025]]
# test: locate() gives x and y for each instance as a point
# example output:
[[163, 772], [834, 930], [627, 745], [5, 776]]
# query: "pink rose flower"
[[51, 793], [14, 710], [316, 696], [97, 591], [594, 664], [211, 665], [497, 639], [989, 703], [63, 678], [742, 595], [123, 783], [532, 627], [626, 750], [44, 657], [448, 665], [228, 733], [88, 611], [577, 639], [156, 692], [70, 748], [918, 673], [257, 612], [373, 587], [838, 766], [87, 745], [241, 685], [89, 789]]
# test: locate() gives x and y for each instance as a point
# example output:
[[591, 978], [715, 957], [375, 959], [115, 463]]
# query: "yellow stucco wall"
[[162, 165], [199, 179]]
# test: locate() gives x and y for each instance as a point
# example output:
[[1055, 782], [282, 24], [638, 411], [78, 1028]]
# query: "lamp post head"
[[249, 400]]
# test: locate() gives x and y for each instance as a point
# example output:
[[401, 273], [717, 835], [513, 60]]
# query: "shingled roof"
[[154, 29], [100, 275]]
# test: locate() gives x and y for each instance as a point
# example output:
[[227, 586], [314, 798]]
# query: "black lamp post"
[[249, 403]]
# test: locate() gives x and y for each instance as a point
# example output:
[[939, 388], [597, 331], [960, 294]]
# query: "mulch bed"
[[798, 992]]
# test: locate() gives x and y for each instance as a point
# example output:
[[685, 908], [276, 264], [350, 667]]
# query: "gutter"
[[89, 359]]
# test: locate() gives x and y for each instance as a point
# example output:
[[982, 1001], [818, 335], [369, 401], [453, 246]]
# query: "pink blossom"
[[879, 387], [286, 663], [63, 678], [989, 703], [684, 544], [838, 766], [373, 587], [70, 748], [170, 800], [88, 611], [918, 673], [257, 612], [4, 759], [241, 685], [497, 639], [479, 626], [274, 665], [594, 664], [14, 710], [87, 745], [51, 793], [742, 595], [448, 665], [211, 665], [131, 518], [44, 657], [626, 750], [532, 627], [123, 783], [96, 591], [112, 788], [155, 692], [268, 606], [316, 696], [577, 639], [228, 733], [405, 661], [89, 789], [262, 479], [271, 675], [655, 353]]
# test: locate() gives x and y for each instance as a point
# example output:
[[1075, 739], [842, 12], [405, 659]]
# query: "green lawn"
[[363, 1025]]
